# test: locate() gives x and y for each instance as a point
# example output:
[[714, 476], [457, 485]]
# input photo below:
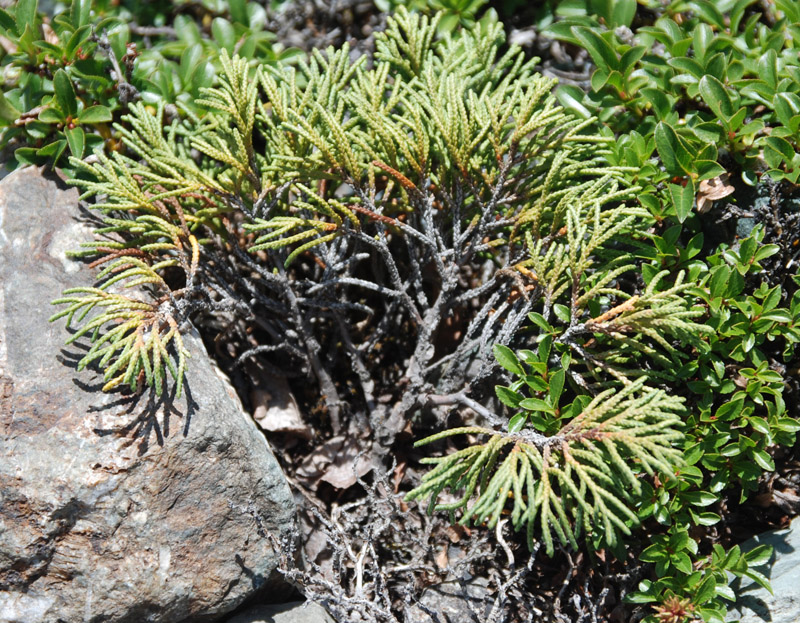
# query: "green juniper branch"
[[435, 203]]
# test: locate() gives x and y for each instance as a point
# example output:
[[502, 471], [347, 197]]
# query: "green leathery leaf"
[[623, 12], [76, 140], [65, 94], [768, 68], [536, 404], [79, 12], [223, 33], [557, 380], [716, 97], [674, 153], [682, 198], [517, 422], [780, 146], [95, 114], [7, 22], [506, 358], [51, 115], [508, 396], [25, 15], [599, 49]]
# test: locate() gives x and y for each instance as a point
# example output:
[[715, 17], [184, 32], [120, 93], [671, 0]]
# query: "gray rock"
[[114, 509], [294, 612], [755, 604]]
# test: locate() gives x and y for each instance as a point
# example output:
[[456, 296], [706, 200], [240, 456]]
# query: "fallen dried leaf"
[[275, 408], [49, 34], [442, 560], [712, 190], [340, 461]]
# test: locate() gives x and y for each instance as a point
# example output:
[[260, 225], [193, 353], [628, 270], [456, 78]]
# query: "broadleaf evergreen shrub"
[[700, 96], [68, 77]]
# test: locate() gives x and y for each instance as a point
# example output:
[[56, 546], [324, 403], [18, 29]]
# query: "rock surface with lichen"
[[115, 508]]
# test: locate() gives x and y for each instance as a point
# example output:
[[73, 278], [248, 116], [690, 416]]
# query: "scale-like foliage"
[[584, 476], [137, 344]]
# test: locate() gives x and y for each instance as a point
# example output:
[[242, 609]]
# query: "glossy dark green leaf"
[[52, 151], [709, 12], [203, 77], [557, 380], [623, 12], [705, 518], [448, 23], [540, 322], [765, 251], [517, 422], [701, 39], [508, 396], [77, 40], [26, 155], [65, 94], [599, 49], [687, 65], [506, 358], [707, 169], [787, 105], [710, 132], [25, 15], [571, 98], [695, 245], [7, 22], [628, 61], [758, 555], [51, 115], [223, 33], [8, 112], [764, 460], [672, 30], [699, 498], [616, 80], [716, 97], [238, 9], [781, 146], [734, 70], [658, 100], [599, 79], [768, 68], [640, 598], [536, 383], [561, 312], [716, 65], [682, 198], [536, 404], [79, 12], [187, 30], [672, 150], [76, 140], [684, 80], [718, 284], [46, 46], [737, 12], [654, 553], [790, 8], [735, 122], [95, 114], [705, 591]]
